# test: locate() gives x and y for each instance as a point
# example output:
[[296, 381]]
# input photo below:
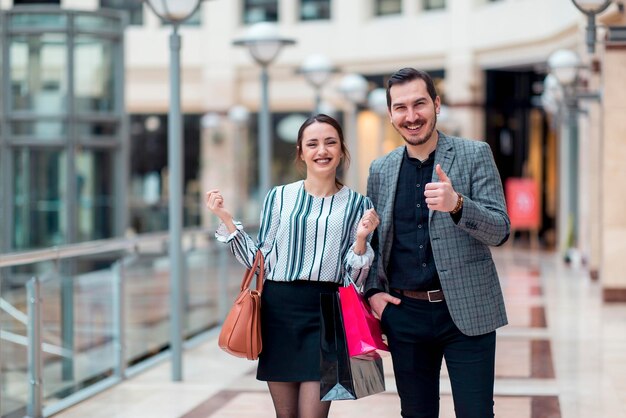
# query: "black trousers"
[[420, 334]]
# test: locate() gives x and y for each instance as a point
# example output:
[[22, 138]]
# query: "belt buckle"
[[433, 291]]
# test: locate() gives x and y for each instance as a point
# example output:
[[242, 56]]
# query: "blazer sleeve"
[[484, 214], [373, 283]]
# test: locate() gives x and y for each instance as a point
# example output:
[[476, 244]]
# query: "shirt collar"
[[414, 161]]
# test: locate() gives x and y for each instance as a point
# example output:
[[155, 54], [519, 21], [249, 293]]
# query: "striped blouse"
[[304, 237]]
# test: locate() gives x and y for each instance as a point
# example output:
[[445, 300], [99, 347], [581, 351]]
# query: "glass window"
[[38, 73], [387, 7], [314, 9], [89, 131], [434, 4], [38, 20], [40, 203], [37, 108], [40, 130], [93, 75], [91, 22], [18, 2], [133, 7], [148, 163], [260, 11], [95, 194]]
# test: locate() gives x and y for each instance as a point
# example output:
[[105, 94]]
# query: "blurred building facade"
[[488, 59]]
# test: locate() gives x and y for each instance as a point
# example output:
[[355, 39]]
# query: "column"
[[613, 169], [463, 78]]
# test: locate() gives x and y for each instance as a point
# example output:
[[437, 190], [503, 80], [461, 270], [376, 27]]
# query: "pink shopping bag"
[[363, 333]]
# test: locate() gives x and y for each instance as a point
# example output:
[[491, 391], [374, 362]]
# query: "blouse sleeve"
[[357, 266], [242, 245]]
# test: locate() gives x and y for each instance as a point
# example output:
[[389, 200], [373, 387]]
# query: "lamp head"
[[552, 88], [354, 88], [317, 69], [174, 11], [210, 120], [377, 101], [564, 65], [591, 6], [264, 42], [238, 114]]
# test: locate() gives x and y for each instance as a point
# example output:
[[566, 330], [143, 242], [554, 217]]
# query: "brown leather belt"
[[429, 295]]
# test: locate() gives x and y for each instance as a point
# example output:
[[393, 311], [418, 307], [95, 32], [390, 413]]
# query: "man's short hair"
[[406, 75]]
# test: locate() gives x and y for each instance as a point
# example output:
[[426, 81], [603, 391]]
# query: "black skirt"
[[290, 328]]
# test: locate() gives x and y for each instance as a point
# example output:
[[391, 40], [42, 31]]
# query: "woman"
[[313, 237]]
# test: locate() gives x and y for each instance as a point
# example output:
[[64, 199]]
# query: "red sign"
[[522, 201]]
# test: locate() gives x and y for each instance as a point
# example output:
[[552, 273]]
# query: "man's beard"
[[423, 140]]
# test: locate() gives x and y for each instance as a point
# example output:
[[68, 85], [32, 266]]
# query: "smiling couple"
[[418, 243]]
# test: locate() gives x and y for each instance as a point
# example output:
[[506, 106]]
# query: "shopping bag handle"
[[347, 281]]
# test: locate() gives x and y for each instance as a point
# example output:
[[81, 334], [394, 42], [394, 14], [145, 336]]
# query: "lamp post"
[[317, 70], [591, 8], [264, 43], [353, 87], [377, 101], [175, 12], [239, 116], [564, 65]]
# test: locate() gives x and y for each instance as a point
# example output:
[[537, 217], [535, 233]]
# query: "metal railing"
[[134, 275]]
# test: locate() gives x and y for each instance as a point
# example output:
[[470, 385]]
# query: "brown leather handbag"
[[241, 331]]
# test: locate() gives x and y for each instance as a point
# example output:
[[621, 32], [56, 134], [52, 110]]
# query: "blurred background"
[[92, 194]]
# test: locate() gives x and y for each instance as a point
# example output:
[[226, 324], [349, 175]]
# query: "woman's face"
[[320, 149]]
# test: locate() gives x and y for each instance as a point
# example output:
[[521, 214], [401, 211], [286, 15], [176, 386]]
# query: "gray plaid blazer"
[[461, 251]]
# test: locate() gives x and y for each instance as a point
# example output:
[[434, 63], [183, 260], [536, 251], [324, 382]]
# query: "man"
[[433, 282]]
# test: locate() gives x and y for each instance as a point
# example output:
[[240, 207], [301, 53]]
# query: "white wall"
[[463, 39]]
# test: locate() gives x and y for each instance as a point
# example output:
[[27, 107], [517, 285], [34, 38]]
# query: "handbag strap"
[[259, 262], [253, 338]]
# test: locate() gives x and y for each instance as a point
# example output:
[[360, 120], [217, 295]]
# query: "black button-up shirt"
[[411, 265]]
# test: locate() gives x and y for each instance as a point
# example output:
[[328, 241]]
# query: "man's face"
[[413, 113]]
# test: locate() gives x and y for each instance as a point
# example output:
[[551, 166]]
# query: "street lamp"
[[264, 43], [317, 70], [239, 116], [564, 65], [552, 94], [591, 8], [377, 101], [354, 88], [175, 12]]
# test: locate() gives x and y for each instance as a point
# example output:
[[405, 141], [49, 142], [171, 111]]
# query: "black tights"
[[298, 400]]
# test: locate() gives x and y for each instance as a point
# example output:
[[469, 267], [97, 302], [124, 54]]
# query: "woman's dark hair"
[[322, 118], [406, 75]]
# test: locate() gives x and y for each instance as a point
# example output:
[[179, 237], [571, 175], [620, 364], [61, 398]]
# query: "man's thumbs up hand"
[[442, 176], [440, 195]]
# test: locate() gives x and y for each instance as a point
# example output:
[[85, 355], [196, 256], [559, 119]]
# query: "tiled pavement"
[[563, 355]]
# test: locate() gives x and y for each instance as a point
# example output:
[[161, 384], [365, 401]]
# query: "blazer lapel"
[[444, 157]]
